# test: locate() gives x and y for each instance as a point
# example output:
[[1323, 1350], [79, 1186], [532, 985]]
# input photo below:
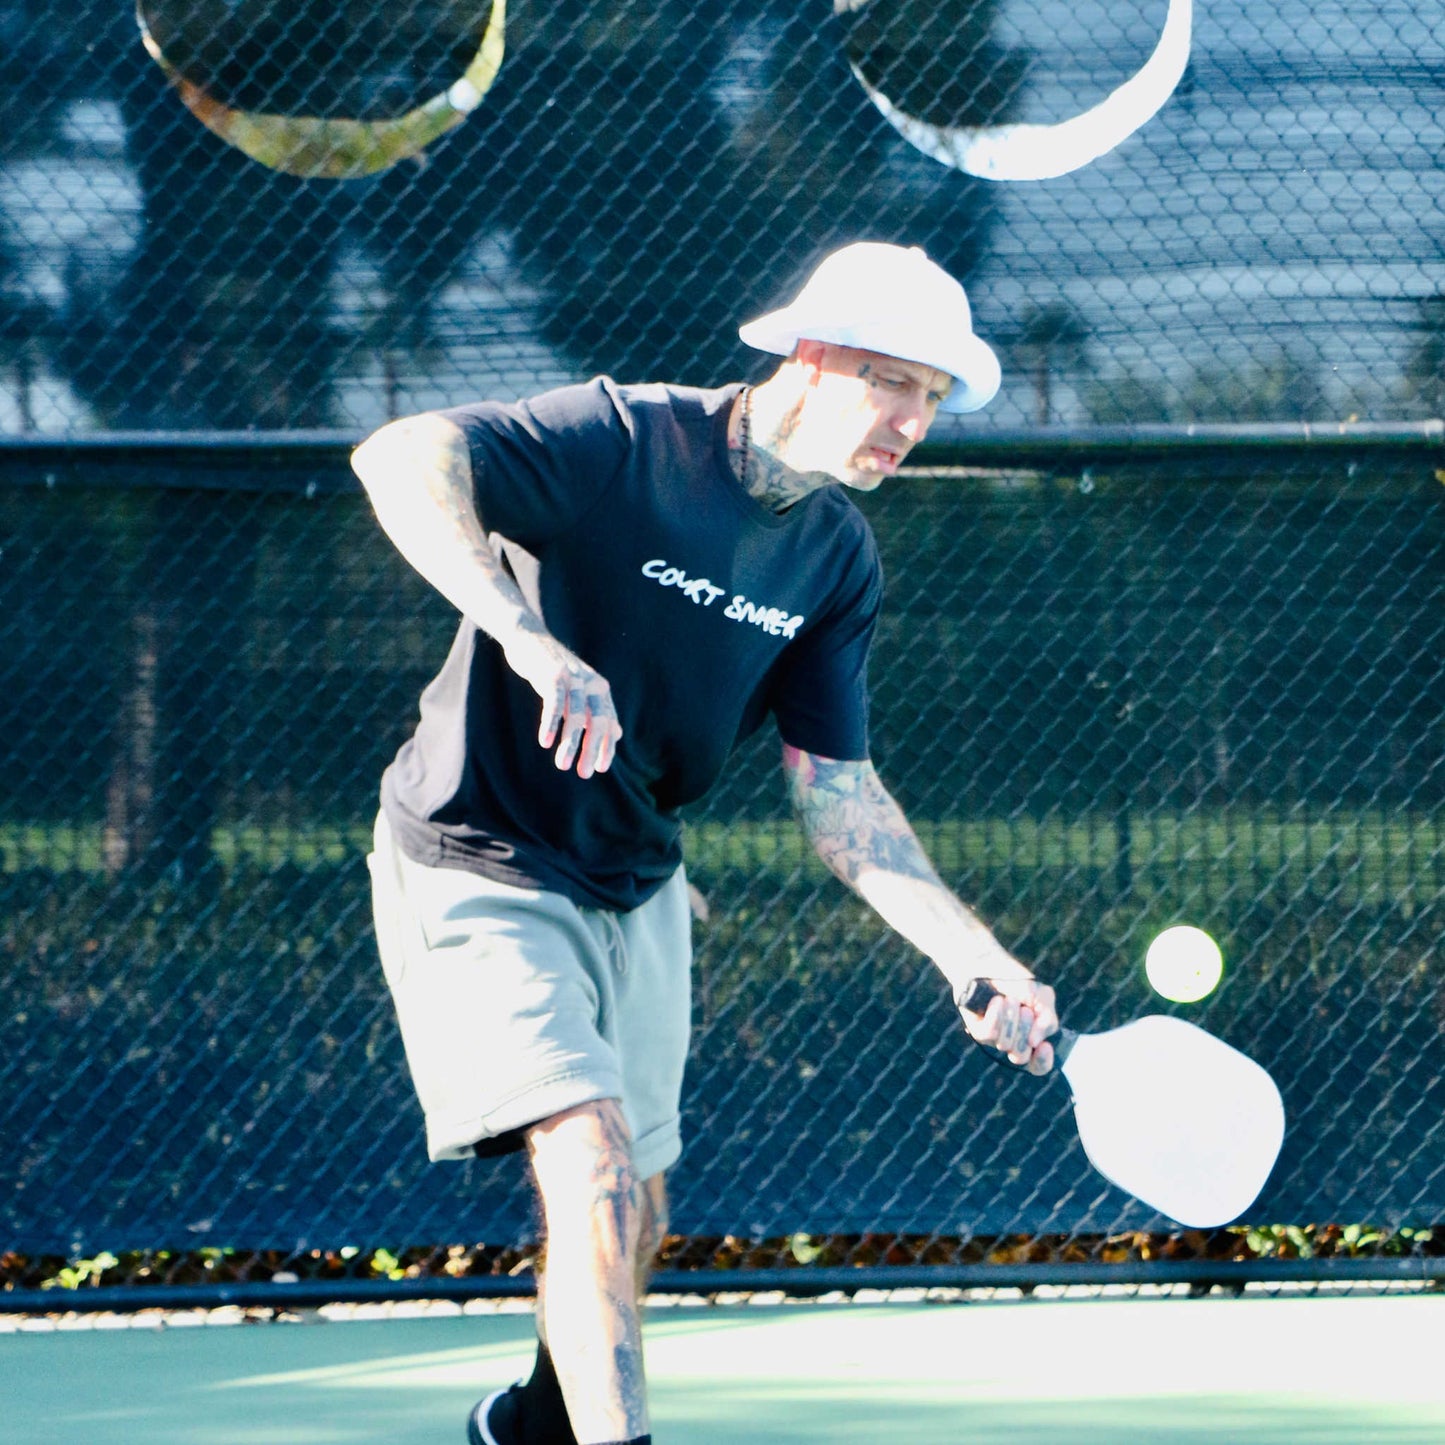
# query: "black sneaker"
[[491, 1421]]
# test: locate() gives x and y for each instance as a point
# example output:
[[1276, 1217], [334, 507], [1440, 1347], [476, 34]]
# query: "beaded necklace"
[[745, 435]]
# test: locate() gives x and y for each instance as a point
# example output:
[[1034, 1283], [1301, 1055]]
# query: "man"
[[644, 573]]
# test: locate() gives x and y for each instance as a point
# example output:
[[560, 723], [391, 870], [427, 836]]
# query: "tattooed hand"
[[578, 715], [1019, 1021]]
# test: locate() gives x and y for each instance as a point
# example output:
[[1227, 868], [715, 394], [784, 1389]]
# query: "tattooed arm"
[[860, 832], [418, 474]]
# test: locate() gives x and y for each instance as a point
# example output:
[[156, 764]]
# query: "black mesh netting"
[[1111, 698]]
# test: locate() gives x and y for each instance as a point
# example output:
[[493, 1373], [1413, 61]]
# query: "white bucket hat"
[[893, 300]]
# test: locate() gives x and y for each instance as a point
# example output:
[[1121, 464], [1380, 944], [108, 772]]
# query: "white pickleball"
[[1183, 964]]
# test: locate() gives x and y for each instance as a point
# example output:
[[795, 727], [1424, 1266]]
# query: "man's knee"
[[582, 1162]]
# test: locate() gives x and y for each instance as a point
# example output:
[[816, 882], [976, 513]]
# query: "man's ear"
[[812, 356]]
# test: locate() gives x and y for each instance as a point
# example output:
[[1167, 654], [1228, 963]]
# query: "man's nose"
[[912, 427]]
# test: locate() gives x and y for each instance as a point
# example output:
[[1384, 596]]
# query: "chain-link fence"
[[639, 175], [1119, 684]]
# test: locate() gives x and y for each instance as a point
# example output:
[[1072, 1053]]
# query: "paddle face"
[[1176, 1117]]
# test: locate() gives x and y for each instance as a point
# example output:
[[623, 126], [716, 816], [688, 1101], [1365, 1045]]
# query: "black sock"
[[541, 1410]]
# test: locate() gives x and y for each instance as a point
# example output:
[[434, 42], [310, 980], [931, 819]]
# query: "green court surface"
[[1256, 1370]]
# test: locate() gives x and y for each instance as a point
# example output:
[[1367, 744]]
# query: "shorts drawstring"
[[616, 942]]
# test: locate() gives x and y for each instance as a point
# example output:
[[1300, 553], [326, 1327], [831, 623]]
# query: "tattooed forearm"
[[851, 820], [860, 832]]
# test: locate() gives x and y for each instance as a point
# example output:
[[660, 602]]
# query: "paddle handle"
[[981, 993]]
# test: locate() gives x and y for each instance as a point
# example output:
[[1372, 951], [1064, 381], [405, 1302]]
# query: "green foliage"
[[82, 1272], [718, 1256], [1352, 1241], [384, 1264], [805, 1250]]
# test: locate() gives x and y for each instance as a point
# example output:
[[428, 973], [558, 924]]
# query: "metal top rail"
[[315, 460], [803, 1283]]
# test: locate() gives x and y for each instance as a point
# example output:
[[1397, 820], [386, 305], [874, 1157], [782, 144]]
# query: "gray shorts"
[[516, 1004]]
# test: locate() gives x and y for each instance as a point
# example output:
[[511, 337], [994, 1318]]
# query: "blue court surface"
[[1255, 1369]]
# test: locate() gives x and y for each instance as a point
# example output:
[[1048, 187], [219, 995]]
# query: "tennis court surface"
[[1258, 1369]]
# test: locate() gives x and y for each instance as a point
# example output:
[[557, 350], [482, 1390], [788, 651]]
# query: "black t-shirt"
[[704, 611]]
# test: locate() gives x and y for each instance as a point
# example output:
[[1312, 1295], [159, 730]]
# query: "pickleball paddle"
[[1174, 1116]]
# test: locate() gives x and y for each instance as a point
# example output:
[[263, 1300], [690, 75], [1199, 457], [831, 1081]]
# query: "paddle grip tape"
[[980, 994]]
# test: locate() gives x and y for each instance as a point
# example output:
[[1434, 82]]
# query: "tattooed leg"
[[592, 1202], [653, 1231]]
